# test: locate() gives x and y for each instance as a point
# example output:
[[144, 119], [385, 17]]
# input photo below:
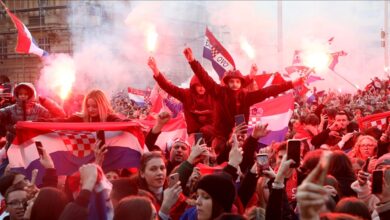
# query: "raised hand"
[[260, 130], [45, 159], [254, 70], [162, 119], [235, 154], [311, 193], [171, 195], [88, 176], [153, 66], [363, 177], [284, 170], [311, 196], [100, 152], [188, 54], [196, 151]]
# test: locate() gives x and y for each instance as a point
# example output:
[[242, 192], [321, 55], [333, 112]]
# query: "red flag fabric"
[[268, 79], [25, 43], [380, 120]]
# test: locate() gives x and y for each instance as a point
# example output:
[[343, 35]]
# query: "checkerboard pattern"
[[80, 143], [214, 51], [378, 123], [253, 120]]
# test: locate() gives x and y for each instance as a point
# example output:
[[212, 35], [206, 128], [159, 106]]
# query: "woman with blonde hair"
[[366, 146], [95, 108]]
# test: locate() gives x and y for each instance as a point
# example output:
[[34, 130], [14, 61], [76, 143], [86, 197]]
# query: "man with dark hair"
[[338, 130], [16, 202]]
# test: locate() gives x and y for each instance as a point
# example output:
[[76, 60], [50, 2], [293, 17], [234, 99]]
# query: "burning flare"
[[151, 38], [247, 48], [58, 76], [318, 59]]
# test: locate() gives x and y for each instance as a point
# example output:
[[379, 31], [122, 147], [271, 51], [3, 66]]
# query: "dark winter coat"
[[229, 102], [28, 110], [192, 103]]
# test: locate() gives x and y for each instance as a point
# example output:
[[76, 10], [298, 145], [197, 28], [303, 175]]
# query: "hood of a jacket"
[[30, 87]]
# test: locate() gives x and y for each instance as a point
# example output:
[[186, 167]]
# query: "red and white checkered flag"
[[80, 143], [254, 116], [380, 120]]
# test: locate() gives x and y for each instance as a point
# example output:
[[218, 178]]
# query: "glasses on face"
[[369, 146], [17, 203]]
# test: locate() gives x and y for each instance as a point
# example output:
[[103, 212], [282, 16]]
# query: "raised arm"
[[210, 85], [167, 86], [261, 94]]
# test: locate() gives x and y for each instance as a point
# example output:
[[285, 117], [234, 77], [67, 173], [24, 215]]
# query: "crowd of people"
[[337, 170]]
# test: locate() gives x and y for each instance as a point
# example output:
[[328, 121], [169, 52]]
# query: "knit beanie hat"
[[221, 189]]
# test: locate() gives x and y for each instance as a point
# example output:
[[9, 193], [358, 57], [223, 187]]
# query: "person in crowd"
[[12, 178], [215, 195], [362, 186], [366, 146], [16, 202], [340, 167], [152, 178], [336, 130], [178, 149], [231, 98], [136, 208], [43, 207], [198, 105], [353, 206], [26, 108], [95, 108]]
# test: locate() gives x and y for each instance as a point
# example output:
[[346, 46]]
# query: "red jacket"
[[229, 102], [192, 103]]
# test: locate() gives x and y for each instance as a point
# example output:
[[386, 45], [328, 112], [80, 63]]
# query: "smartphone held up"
[[294, 152], [262, 160]]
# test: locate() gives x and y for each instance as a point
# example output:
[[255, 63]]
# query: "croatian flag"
[[268, 79], [25, 43], [220, 58], [380, 120], [274, 112], [71, 145], [137, 95]]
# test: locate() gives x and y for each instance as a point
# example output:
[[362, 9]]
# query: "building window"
[[3, 49], [36, 20], [44, 43]]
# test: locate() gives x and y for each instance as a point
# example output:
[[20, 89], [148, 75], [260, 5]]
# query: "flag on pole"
[[25, 44], [71, 145], [335, 59], [220, 58]]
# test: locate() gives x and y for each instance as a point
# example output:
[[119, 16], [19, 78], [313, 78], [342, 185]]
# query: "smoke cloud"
[[110, 50]]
